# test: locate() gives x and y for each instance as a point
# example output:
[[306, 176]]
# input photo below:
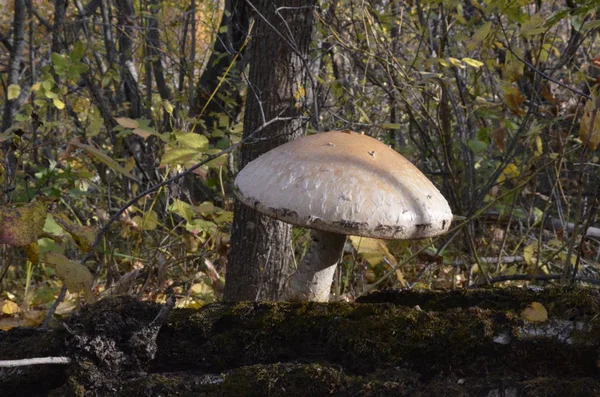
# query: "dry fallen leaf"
[[9, 307], [536, 312]]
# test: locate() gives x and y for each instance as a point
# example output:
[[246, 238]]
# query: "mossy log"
[[468, 343]]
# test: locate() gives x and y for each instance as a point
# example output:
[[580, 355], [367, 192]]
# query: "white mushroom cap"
[[346, 183]]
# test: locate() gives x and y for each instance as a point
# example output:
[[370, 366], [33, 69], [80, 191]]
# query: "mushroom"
[[340, 183]]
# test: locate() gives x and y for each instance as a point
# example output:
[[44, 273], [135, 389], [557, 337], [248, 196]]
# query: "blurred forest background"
[[496, 101]]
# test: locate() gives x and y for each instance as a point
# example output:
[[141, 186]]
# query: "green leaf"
[[477, 146], [183, 209], [479, 36], [237, 128], [178, 156], [47, 85], [78, 68], [220, 161], [391, 126], [535, 25], [78, 51], [199, 225], [50, 226], [13, 91], [364, 118], [223, 120], [554, 19], [192, 140], [58, 60], [590, 25]]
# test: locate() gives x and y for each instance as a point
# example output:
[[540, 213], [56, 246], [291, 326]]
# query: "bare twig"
[[34, 361], [527, 277], [50, 313]]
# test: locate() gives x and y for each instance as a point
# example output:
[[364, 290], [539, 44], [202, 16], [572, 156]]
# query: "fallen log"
[[468, 342]]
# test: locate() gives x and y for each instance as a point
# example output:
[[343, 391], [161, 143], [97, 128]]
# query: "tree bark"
[[261, 249], [16, 57], [10, 106]]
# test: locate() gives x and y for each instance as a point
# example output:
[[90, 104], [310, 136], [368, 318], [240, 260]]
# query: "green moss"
[[290, 379]]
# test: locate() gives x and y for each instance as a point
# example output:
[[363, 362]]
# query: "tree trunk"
[[10, 108], [261, 248]]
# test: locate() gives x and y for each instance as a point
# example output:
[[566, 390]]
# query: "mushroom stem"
[[313, 278]]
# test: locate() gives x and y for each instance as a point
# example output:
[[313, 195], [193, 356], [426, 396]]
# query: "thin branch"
[[34, 361], [527, 277], [50, 313]]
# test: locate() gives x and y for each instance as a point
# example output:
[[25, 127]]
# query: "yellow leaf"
[[372, 250], [473, 62], [530, 254], [177, 156], [58, 103], [127, 122], [75, 276], [590, 134], [456, 62], [511, 171], [13, 91], [201, 289], [300, 92], [192, 140], [168, 107], [535, 313], [10, 307], [150, 221]]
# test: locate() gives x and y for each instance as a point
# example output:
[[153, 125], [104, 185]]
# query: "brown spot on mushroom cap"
[[332, 182]]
